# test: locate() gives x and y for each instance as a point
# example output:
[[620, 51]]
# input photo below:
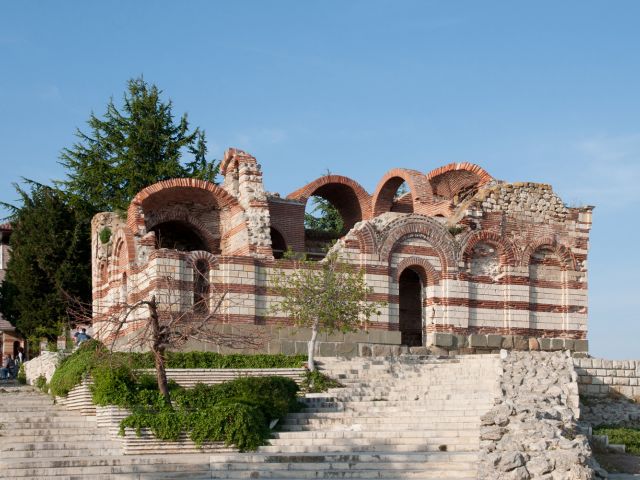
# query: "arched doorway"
[[278, 244], [410, 303]]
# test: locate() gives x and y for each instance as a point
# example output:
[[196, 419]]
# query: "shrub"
[[22, 375], [76, 366], [236, 412], [105, 235], [630, 437], [316, 382], [113, 385], [41, 384]]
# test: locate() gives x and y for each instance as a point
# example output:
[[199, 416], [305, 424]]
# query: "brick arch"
[[421, 193], [422, 267], [366, 238], [422, 227], [181, 216], [177, 188], [210, 258], [505, 248], [348, 196], [124, 253], [449, 180], [562, 251]]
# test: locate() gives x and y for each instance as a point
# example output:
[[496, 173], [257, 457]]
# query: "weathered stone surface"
[[477, 341], [443, 339], [43, 365], [529, 433]]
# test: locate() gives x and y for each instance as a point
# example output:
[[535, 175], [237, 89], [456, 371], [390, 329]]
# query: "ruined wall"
[[531, 433], [499, 265]]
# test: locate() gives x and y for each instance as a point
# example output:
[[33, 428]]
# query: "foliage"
[[217, 360], [327, 218], [134, 145], [76, 366], [131, 147], [274, 396], [92, 355], [48, 264], [325, 296], [630, 437], [317, 382], [237, 412], [41, 384], [105, 235], [22, 375]]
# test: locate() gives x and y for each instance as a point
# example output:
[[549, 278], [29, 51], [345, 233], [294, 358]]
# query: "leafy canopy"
[[49, 262], [324, 217], [132, 147], [328, 296]]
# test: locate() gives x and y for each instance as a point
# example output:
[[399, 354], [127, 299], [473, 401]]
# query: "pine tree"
[[49, 262], [130, 148]]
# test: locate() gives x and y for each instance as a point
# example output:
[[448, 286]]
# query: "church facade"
[[464, 262]]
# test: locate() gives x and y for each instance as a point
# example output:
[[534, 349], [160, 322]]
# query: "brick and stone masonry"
[[465, 263]]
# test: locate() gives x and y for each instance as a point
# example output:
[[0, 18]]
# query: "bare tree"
[[168, 320]]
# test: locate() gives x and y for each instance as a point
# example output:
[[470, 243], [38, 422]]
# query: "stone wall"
[[600, 378], [531, 433], [500, 265], [44, 364]]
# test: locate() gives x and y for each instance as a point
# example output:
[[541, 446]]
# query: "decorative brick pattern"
[[500, 264]]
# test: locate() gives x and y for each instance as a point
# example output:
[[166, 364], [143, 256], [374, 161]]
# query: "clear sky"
[[542, 91]]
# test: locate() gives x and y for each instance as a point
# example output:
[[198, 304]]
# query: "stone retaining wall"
[[531, 432], [42, 365], [600, 378]]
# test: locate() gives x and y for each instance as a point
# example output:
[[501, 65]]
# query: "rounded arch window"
[[201, 286]]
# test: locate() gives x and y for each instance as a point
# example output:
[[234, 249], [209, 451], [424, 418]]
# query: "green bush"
[[22, 375], [41, 384], [316, 382], [92, 353], [630, 437], [236, 412], [217, 360], [76, 366], [105, 235], [113, 385], [274, 396]]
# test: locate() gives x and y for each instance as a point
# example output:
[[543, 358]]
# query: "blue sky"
[[541, 91]]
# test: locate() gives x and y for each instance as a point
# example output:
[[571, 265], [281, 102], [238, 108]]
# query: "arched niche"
[[278, 243], [180, 235]]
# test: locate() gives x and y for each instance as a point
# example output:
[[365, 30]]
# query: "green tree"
[[324, 217], [326, 296], [132, 147], [49, 262]]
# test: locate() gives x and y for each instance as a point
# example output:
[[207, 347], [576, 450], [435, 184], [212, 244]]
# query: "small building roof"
[[5, 326], [5, 227]]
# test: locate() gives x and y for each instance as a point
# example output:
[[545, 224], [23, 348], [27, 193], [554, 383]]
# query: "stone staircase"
[[39, 439], [399, 418]]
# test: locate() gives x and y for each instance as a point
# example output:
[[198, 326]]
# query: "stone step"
[[365, 446], [354, 456], [438, 472], [377, 427], [376, 434]]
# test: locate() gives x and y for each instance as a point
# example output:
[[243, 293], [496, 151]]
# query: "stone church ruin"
[[465, 263]]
